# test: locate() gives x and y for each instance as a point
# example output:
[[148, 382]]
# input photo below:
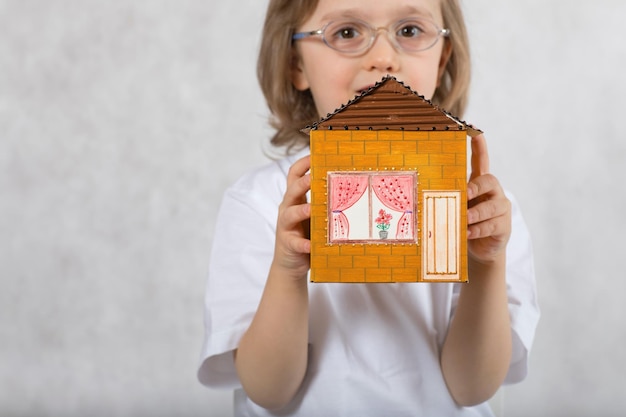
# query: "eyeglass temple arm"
[[302, 35]]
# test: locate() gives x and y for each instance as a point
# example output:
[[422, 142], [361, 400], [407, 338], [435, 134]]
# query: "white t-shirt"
[[373, 348]]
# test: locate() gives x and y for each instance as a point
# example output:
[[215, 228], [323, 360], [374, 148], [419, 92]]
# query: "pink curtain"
[[397, 193], [345, 190]]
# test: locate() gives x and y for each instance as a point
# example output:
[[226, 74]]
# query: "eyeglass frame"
[[441, 32]]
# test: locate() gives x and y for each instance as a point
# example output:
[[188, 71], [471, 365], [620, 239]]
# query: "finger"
[[296, 191], [293, 216], [298, 183], [487, 210], [292, 233], [484, 185], [480, 157], [496, 228], [299, 168], [300, 245]]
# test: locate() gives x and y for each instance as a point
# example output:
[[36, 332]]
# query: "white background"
[[122, 121]]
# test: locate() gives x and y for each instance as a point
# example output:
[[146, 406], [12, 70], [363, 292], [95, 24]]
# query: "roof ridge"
[[386, 79]]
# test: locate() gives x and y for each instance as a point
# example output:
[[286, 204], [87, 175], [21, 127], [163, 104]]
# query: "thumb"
[[480, 157]]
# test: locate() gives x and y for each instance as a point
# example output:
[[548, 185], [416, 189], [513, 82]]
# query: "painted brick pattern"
[[439, 158]]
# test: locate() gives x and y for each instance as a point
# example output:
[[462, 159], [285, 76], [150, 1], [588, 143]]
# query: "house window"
[[441, 234], [371, 207]]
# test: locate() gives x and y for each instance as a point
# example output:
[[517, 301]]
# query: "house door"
[[440, 253]]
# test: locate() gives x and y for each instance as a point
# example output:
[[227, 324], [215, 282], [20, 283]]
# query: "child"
[[289, 348]]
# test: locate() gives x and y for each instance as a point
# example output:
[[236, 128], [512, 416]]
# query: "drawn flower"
[[383, 219]]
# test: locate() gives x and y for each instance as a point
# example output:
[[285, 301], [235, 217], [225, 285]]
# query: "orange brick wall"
[[440, 159]]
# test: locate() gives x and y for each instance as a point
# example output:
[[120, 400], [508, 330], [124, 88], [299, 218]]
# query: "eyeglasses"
[[356, 36]]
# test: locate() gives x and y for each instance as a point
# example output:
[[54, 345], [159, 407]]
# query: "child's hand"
[[489, 211], [292, 228]]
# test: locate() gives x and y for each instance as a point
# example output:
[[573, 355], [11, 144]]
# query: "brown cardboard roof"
[[391, 105]]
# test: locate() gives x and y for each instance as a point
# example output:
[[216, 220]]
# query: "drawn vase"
[[383, 234]]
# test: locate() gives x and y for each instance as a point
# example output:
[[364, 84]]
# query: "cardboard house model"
[[388, 190]]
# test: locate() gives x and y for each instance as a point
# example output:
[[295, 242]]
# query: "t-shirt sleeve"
[[240, 258], [522, 295]]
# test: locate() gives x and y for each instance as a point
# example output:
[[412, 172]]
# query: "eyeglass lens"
[[356, 36]]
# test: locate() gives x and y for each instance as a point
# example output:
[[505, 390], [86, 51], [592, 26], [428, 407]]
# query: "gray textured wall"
[[117, 119]]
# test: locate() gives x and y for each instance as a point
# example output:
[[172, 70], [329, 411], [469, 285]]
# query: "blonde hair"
[[291, 109]]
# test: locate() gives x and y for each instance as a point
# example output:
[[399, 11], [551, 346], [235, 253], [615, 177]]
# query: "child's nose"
[[383, 55]]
